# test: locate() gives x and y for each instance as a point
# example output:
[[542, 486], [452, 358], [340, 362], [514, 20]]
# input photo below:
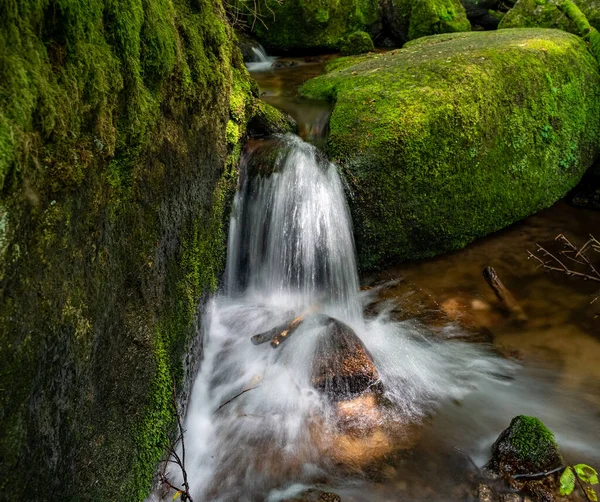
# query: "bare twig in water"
[[174, 458], [236, 396], [557, 262]]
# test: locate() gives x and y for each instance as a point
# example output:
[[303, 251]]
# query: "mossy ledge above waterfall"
[[120, 129], [459, 135]]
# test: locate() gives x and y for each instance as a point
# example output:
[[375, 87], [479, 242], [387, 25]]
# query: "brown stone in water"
[[342, 365]]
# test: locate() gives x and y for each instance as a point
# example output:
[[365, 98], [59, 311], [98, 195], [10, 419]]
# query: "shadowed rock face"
[[342, 365]]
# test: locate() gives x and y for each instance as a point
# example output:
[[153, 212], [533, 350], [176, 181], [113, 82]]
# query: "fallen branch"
[[557, 262], [504, 295], [174, 458], [236, 396]]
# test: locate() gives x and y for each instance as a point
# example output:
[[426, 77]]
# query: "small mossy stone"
[[440, 146], [358, 42], [527, 446], [268, 120]]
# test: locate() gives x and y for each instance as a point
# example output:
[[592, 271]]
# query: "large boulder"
[[546, 14], [459, 135], [410, 19], [304, 25]]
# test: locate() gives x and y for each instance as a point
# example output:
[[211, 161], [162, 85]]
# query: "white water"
[[262, 61], [291, 251]]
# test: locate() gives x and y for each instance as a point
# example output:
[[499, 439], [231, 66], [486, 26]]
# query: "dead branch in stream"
[[571, 260], [504, 295], [177, 459]]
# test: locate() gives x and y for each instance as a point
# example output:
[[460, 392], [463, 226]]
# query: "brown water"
[[557, 351]]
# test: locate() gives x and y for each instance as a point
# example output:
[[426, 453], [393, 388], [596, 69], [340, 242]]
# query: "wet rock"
[[269, 120], [282, 63], [522, 454], [527, 446], [342, 366], [587, 193], [315, 495]]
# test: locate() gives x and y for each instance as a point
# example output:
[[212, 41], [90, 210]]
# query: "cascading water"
[[257, 427], [261, 61]]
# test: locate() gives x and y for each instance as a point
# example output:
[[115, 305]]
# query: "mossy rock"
[[527, 446], [267, 120], [358, 42], [441, 145], [307, 25], [410, 19], [546, 14], [120, 124]]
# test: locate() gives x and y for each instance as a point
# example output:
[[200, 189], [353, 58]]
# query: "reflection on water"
[[279, 86]]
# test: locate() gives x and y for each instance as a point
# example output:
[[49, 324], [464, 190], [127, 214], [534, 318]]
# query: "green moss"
[[300, 25], [119, 129], [410, 19], [439, 145], [546, 14], [358, 42], [268, 120], [432, 17], [526, 446], [588, 32]]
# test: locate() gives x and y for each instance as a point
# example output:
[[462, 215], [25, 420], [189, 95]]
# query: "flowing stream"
[[258, 427]]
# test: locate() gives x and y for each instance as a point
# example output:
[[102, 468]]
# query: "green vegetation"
[[546, 14], [527, 446], [582, 474], [295, 25], [441, 146], [410, 19], [358, 42], [119, 137]]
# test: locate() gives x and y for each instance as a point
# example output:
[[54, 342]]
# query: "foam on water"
[[291, 251]]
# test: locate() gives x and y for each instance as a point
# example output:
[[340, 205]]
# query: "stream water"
[[256, 426]]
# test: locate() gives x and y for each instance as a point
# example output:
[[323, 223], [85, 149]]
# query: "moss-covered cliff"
[[120, 124], [459, 135]]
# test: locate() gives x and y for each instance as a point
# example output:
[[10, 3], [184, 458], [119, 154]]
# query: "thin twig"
[[236, 396]]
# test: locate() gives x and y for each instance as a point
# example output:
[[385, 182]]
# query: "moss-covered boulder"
[[527, 446], [410, 19], [459, 135], [120, 128], [546, 14], [358, 42], [313, 25]]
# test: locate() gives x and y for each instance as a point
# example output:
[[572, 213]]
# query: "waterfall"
[[261, 61], [256, 422]]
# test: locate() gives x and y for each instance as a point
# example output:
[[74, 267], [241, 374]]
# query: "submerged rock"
[[342, 364], [315, 495], [440, 146], [545, 14]]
